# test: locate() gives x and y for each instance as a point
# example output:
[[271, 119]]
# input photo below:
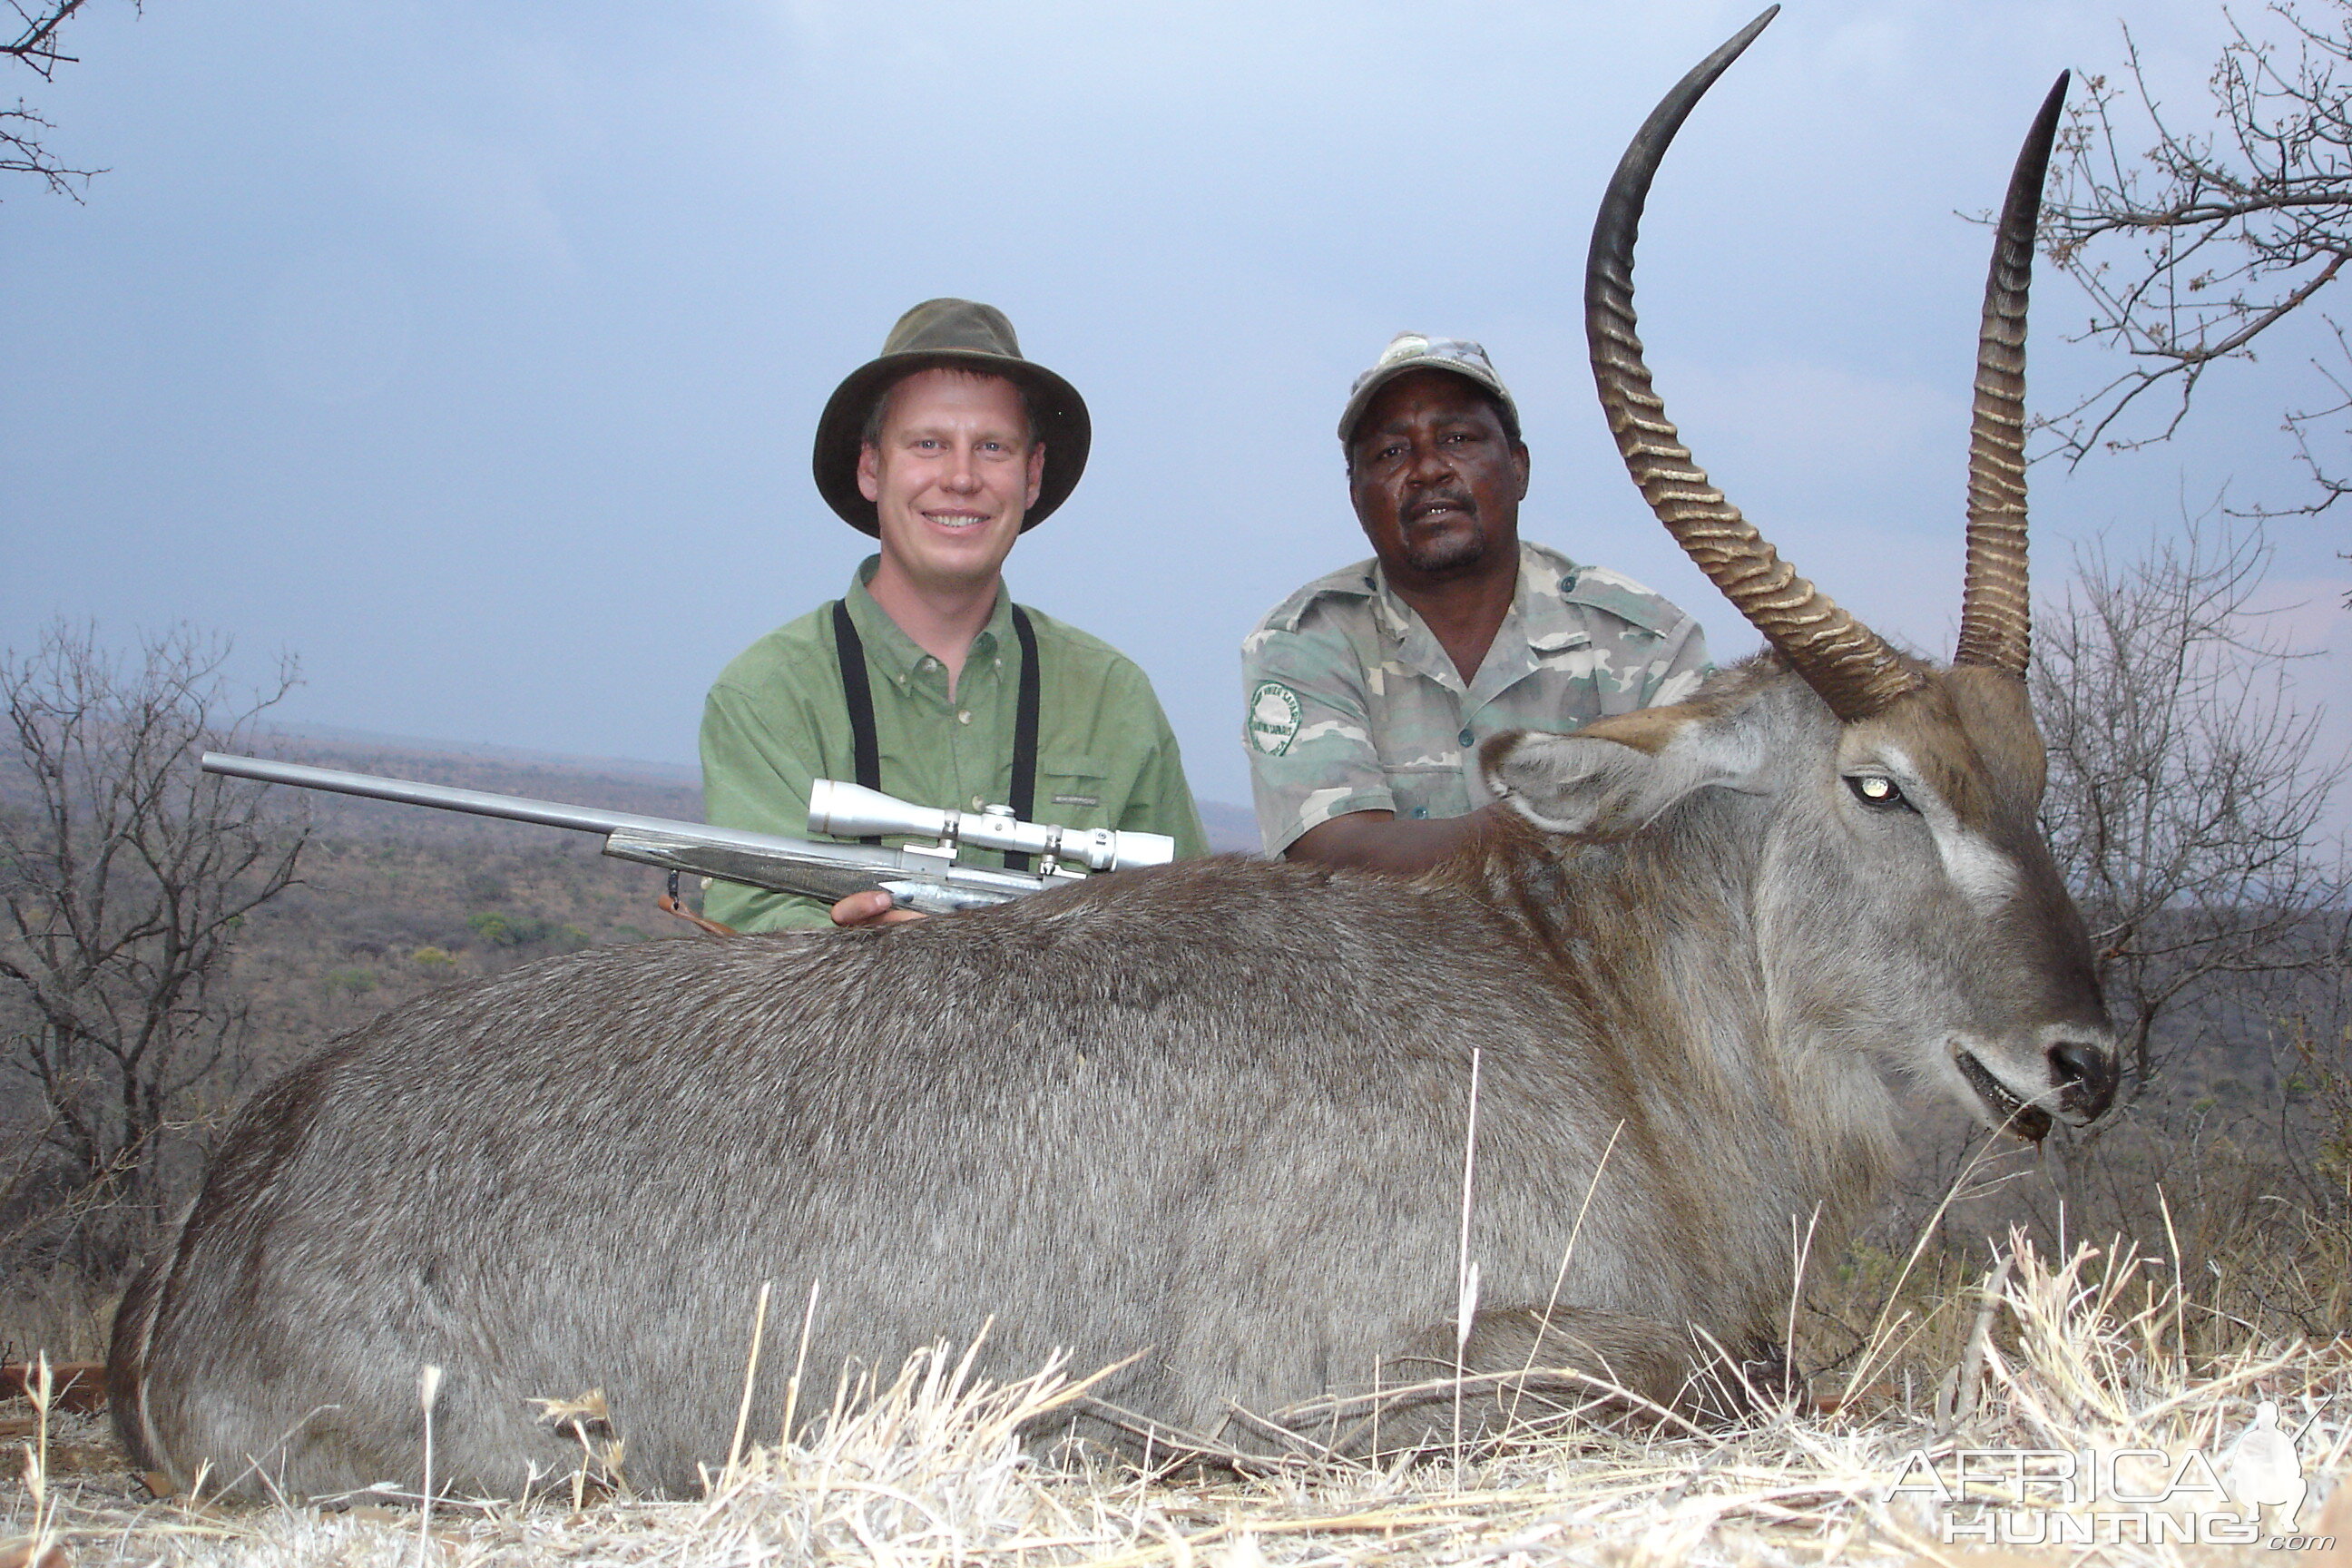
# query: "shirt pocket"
[[1077, 789], [1427, 790], [1421, 766]]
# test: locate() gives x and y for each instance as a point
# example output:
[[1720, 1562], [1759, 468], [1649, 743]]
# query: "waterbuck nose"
[[2084, 1076]]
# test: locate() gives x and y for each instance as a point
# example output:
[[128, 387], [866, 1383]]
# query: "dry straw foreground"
[[2094, 1355]]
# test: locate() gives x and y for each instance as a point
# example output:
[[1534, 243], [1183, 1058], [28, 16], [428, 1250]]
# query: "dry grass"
[[2098, 1351]]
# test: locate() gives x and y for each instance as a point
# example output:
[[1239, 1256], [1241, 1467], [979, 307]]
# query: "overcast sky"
[[472, 352]]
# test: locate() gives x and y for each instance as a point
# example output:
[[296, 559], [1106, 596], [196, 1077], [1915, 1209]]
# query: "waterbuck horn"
[[1996, 613], [1853, 668]]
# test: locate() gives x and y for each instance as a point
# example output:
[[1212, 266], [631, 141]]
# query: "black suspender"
[[1024, 735], [865, 751]]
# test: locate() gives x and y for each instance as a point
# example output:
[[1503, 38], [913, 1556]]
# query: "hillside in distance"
[[392, 900]]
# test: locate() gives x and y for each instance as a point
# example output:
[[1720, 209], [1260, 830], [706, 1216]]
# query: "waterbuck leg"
[[126, 1367]]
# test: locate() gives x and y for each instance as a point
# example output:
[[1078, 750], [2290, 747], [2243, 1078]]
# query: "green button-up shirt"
[[1354, 705], [774, 721]]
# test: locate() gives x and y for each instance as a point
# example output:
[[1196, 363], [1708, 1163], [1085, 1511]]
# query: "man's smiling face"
[[1436, 478], [950, 476]]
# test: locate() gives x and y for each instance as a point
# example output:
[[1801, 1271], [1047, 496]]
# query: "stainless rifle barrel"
[[483, 803]]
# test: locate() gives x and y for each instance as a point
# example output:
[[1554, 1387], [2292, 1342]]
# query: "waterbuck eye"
[[1876, 790]]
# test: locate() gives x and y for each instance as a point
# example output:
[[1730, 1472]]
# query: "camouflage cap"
[[1410, 351]]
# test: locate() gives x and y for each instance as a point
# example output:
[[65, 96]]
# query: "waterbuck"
[[1209, 1120]]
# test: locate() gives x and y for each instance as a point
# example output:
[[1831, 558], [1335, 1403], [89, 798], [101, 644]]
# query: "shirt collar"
[[1548, 583], [893, 648], [1539, 623]]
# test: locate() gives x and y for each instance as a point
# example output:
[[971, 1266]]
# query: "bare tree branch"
[[2199, 245], [23, 147], [125, 876], [23, 152], [2188, 795], [36, 42]]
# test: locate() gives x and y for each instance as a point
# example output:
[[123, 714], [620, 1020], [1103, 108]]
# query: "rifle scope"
[[852, 811]]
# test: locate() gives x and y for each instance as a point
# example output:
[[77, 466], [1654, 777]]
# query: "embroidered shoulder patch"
[[1273, 715]]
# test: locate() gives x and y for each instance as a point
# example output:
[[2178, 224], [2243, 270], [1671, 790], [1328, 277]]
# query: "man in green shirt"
[[947, 448]]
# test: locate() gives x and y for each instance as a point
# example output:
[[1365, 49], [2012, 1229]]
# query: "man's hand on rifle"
[[872, 908]]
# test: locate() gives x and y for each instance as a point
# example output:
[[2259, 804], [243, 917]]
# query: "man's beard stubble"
[[1455, 548]]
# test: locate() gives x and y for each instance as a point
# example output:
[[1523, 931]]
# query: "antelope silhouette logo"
[[2262, 1469]]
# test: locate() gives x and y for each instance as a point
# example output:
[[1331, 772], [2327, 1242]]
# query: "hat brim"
[[1361, 400], [1063, 424]]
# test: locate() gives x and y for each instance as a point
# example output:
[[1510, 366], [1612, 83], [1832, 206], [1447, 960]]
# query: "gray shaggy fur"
[[1214, 1114]]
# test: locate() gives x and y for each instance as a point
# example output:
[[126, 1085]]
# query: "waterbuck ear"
[[1616, 773]]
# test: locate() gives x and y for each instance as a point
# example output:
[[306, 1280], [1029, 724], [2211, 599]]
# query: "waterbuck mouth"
[[2029, 1123]]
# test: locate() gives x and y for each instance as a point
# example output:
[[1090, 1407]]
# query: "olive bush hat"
[[954, 334], [1410, 351]]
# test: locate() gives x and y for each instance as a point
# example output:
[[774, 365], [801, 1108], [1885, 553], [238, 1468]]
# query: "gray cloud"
[[602, 263]]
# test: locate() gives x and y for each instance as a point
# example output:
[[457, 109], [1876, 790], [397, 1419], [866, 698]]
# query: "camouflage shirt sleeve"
[[1306, 728], [1679, 667]]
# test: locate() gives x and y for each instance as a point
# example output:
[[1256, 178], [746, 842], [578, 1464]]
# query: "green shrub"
[[526, 931]]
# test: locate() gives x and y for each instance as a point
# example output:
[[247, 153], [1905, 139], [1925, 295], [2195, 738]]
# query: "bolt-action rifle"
[[927, 877]]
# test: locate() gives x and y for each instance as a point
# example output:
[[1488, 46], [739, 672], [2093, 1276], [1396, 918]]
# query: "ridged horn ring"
[[1996, 608], [1855, 671]]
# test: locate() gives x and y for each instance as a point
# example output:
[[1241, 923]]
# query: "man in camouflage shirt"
[[1370, 690]]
